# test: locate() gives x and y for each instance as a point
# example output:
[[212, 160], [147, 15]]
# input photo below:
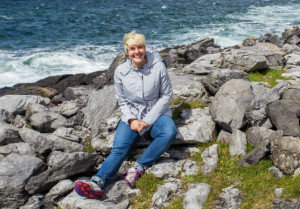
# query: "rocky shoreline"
[[60, 129]]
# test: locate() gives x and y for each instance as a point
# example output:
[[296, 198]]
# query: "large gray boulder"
[[292, 93], [196, 196], [215, 79], [15, 170], [8, 134], [285, 153], [61, 166], [256, 135], [196, 127], [101, 104], [258, 57], [284, 114], [231, 103], [11, 105], [43, 120], [210, 159]]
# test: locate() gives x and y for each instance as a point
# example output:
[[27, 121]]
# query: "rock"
[[292, 59], [34, 202], [69, 109], [202, 66], [230, 198], [224, 136], [119, 59], [77, 93], [256, 135], [292, 93], [289, 33], [189, 168], [237, 145], [101, 104], [20, 148], [186, 86], [250, 41], [1, 157], [29, 135], [75, 201], [294, 204], [15, 170], [197, 126], [217, 78], [278, 191], [285, 153], [231, 103], [210, 160], [296, 173], [62, 188], [11, 105], [103, 143], [120, 191], [262, 97], [258, 57], [275, 172], [180, 56], [61, 166], [41, 119], [284, 115], [270, 38], [8, 134], [181, 153], [253, 157], [165, 193], [166, 168], [67, 134], [196, 196]]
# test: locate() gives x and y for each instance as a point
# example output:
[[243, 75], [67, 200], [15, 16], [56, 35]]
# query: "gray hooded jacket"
[[143, 93]]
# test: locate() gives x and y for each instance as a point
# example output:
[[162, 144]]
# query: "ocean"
[[40, 38]]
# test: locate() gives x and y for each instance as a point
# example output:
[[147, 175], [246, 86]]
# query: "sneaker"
[[132, 174], [88, 189]]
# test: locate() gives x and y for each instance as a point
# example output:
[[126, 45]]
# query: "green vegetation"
[[269, 76], [192, 104], [89, 147], [255, 183]]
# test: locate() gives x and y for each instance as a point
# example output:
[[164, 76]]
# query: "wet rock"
[[230, 198], [275, 172], [166, 168], [61, 166], [284, 114], [217, 78], [34, 202], [41, 119], [196, 196], [15, 170], [197, 126], [231, 103], [285, 153], [11, 105], [190, 167], [62, 188], [8, 134], [210, 160], [237, 145], [165, 193], [75, 201]]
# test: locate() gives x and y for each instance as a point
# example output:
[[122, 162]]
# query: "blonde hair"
[[133, 38]]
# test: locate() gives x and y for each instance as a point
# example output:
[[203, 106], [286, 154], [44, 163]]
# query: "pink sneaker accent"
[[132, 174]]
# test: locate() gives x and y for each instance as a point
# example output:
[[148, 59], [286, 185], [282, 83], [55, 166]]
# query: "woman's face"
[[136, 53]]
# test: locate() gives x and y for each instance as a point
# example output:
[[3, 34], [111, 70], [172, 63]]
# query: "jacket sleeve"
[[122, 101], [165, 96]]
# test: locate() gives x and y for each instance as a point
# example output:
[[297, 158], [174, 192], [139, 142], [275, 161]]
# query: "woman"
[[143, 90]]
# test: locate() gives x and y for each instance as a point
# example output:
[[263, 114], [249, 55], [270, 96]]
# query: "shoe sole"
[[84, 190]]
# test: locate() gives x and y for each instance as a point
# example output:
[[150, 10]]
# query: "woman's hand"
[[134, 124], [142, 125]]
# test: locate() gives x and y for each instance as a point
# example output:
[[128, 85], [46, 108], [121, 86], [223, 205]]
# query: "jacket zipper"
[[143, 87]]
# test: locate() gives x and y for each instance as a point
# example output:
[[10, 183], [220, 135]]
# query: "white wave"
[[7, 17], [38, 65], [164, 7]]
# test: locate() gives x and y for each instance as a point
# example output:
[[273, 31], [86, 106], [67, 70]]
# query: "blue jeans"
[[163, 133]]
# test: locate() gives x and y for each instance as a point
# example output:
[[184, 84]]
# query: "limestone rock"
[[8, 134], [237, 145], [224, 136], [197, 126], [292, 93], [20, 148], [34, 202], [256, 135], [15, 170], [231, 103], [275, 172], [210, 159], [196, 196], [296, 173], [181, 153], [190, 168], [67, 134], [166, 168], [69, 109], [230, 198], [294, 204]]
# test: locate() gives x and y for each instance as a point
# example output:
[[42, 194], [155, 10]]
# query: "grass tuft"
[[269, 76], [192, 104], [89, 147]]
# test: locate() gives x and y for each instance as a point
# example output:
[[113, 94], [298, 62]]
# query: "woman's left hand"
[[142, 125]]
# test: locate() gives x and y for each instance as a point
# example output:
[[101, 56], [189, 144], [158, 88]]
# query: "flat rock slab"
[[166, 168], [230, 198], [196, 196], [237, 145], [210, 159]]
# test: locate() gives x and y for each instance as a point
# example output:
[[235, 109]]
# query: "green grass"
[[89, 147], [255, 183], [269, 76], [192, 104]]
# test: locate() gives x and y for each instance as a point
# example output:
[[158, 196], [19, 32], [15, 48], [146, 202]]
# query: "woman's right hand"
[[134, 124]]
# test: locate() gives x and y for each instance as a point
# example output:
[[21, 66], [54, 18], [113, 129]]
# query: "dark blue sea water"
[[39, 38]]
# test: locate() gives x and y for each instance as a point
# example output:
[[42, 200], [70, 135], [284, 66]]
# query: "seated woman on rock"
[[143, 90]]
